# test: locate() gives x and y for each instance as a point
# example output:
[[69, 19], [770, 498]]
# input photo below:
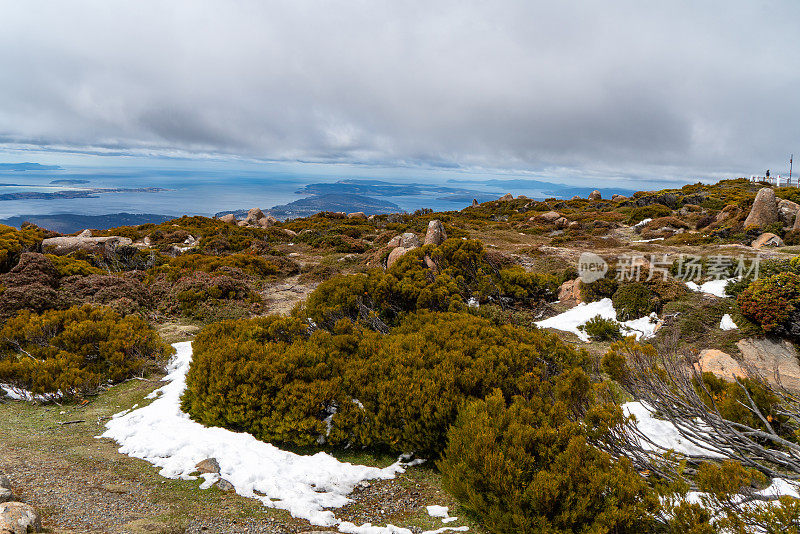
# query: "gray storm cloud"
[[503, 84]]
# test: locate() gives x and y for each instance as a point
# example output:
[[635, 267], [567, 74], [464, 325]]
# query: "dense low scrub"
[[527, 466], [442, 278], [356, 387], [74, 352]]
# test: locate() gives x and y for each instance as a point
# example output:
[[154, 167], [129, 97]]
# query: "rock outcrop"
[[720, 364], [19, 518], [267, 221], [435, 234], [595, 195], [765, 209], [229, 218], [357, 215], [395, 255], [550, 216], [406, 240], [787, 210], [773, 359], [5, 489], [767, 240], [570, 292], [506, 197], [61, 246]]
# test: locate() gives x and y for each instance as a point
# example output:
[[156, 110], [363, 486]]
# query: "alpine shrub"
[[601, 329], [633, 301], [527, 466], [354, 386], [773, 302], [71, 353]]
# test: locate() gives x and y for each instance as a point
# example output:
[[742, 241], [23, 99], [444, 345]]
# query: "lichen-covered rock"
[[19, 518], [787, 210], [570, 291], [550, 216], [720, 364], [435, 234], [209, 465], [767, 240], [61, 246], [771, 357], [267, 221], [395, 255], [406, 240], [5, 489], [765, 209]]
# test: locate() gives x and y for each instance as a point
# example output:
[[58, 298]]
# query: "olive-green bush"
[[634, 300], [74, 352], [527, 466], [354, 386], [773, 303], [460, 271]]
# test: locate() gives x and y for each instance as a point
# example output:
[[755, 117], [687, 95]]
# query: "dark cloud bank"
[[609, 87]]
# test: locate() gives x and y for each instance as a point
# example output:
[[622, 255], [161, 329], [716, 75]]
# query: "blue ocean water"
[[186, 191]]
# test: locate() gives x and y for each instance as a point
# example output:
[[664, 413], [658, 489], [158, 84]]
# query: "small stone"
[[224, 485], [209, 465]]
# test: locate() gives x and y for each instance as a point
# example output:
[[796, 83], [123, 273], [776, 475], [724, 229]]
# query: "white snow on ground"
[[438, 511], [163, 435], [714, 287], [663, 433], [727, 323], [642, 223], [24, 395], [570, 320]]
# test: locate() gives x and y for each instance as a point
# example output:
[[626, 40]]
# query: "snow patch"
[[714, 287], [438, 511], [570, 320], [727, 323], [664, 434], [160, 433]]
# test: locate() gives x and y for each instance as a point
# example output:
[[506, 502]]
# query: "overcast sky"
[[679, 87]]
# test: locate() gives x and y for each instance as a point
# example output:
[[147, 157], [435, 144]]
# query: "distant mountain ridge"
[[308, 206], [68, 223]]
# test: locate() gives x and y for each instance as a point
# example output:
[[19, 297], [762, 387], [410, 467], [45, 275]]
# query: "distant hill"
[[67, 223], [328, 202], [28, 167], [69, 182]]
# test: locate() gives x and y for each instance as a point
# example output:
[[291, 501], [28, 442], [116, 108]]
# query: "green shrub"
[[601, 329], [773, 303], [599, 289], [653, 211], [633, 301], [70, 353], [13, 242], [461, 271], [69, 266], [527, 466], [356, 387]]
